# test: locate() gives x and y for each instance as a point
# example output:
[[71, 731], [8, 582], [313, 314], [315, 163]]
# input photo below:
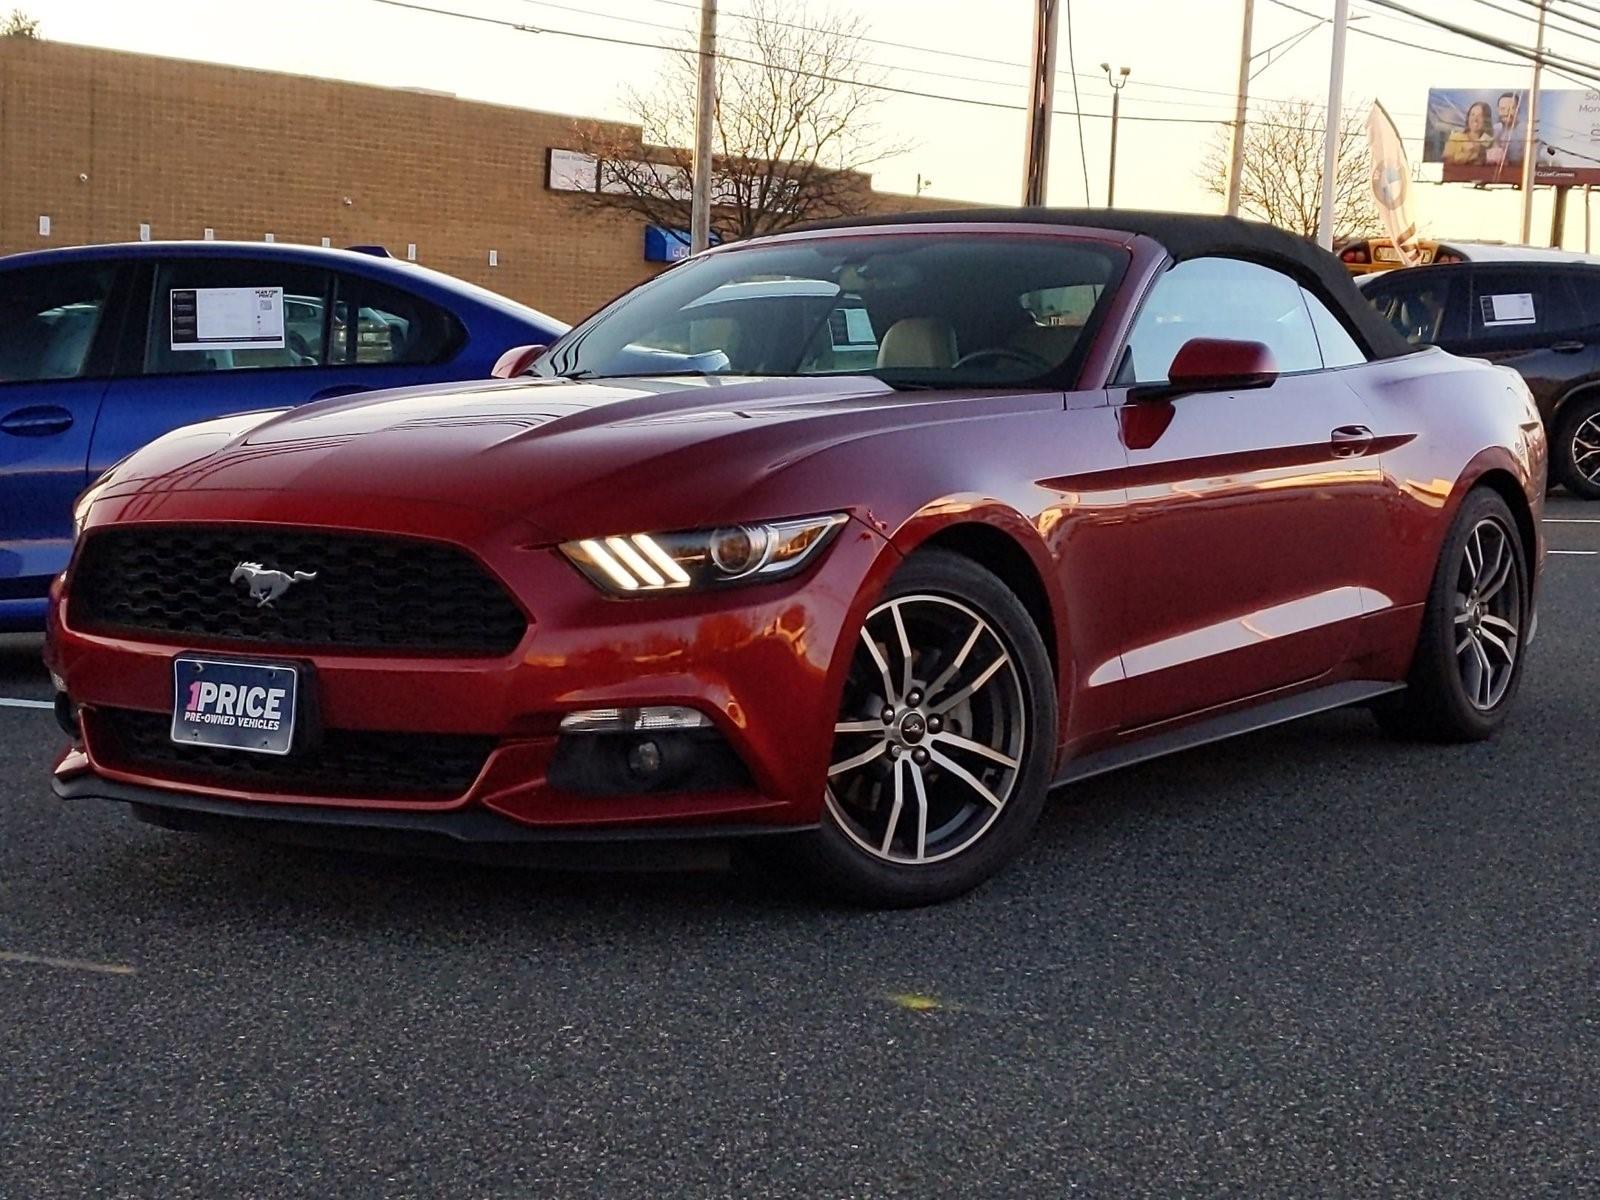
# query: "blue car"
[[104, 348]]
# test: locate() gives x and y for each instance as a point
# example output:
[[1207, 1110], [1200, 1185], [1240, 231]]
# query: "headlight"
[[635, 563]]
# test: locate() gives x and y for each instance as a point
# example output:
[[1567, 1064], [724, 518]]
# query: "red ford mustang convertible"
[[866, 535]]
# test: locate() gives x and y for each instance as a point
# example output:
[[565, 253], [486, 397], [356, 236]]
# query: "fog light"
[[644, 759], [634, 720]]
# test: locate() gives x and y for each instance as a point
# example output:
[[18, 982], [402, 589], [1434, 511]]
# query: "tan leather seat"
[[918, 342]]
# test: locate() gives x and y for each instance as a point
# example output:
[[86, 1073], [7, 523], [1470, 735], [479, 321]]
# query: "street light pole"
[[1530, 143], [1333, 124], [1041, 102], [706, 103], [1236, 158], [1117, 82]]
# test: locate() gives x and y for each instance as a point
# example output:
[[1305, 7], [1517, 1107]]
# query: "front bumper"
[[759, 661], [470, 833]]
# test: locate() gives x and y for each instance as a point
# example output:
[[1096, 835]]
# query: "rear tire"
[[947, 791], [1469, 657], [1576, 448]]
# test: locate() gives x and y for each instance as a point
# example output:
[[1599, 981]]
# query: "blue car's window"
[[48, 320], [931, 310], [389, 326], [172, 348]]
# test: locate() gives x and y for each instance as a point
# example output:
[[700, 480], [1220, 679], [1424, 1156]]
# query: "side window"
[[1586, 284], [375, 324], [1221, 298], [235, 314], [1338, 348], [48, 320], [1416, 304], [1519, 307]]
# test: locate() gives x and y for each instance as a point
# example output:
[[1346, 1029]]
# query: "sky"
[[1182, 55]]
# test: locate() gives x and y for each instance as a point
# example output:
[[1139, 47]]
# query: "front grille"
[[345, 763], [370, 592]]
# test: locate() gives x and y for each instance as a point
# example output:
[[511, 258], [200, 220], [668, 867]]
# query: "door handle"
[[41, 420], [1350, 441], [1570, 346]]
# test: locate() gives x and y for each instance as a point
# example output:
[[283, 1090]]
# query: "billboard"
[[1479, 135]]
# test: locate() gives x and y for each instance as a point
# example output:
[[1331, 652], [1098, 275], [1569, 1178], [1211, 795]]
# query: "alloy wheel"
[[931, 735], [1586, 448], [1488, 614]]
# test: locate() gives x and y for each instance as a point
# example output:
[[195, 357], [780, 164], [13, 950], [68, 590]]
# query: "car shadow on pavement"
[[21, 657], [1211, 795]]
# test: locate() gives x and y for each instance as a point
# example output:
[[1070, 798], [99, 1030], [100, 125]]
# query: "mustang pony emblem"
[[266, 586]]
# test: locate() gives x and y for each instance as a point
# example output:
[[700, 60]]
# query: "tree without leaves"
[[20, 25], [792, 130], [1282, 179]]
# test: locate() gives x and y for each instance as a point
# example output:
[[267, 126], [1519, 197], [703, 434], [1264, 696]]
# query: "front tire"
[[1468, 664], [944, 744], [1577, 448]]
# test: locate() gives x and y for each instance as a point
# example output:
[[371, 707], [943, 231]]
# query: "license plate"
[[1385, 254], [234, 705]]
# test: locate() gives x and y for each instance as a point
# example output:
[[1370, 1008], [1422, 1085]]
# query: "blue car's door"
[[58, 329], [339, 334]]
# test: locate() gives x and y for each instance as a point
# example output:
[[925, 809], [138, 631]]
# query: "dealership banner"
[[1391, 183], [1479, 135]]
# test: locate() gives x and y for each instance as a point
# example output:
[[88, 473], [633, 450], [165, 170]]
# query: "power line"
[[605, 39], [1522, 16], [1394, 41], [1551, 10], [1072, 68], [1572, 66], [915, 48]]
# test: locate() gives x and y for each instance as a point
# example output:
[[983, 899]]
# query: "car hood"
[[567, 456]]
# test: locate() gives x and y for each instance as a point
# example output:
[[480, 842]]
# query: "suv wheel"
[[1577, 448]]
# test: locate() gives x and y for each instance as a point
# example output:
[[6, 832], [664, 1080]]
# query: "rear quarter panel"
[[1456, 422]]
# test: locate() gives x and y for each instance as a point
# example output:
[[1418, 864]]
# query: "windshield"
[[922, 310]]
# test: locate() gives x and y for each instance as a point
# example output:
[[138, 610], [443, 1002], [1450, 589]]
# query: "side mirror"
[[1214, 365], [516, 361]]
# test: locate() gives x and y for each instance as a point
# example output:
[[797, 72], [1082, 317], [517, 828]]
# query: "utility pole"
[[1236, 159], [1117, 82], [1333, 124], [1041, 102], [706, 104], [1530, 143]]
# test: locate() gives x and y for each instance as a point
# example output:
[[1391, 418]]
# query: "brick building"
[[101, 143]]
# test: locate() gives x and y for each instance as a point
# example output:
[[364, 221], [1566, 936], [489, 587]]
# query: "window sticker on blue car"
[[1513, 308], [230, 318]]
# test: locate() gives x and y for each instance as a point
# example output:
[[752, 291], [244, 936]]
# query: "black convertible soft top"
[[1191, 235]]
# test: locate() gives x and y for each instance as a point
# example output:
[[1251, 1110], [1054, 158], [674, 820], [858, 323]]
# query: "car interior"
[[937, 313]]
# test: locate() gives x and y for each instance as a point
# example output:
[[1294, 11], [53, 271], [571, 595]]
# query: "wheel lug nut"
[[919, 755], [914, 699], [894, 751], [888, 715], [934, 724]]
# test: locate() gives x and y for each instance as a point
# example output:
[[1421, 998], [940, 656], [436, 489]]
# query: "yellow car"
[[1367, 256]]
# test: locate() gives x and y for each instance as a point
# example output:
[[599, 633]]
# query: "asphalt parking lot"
[[1311, 962]]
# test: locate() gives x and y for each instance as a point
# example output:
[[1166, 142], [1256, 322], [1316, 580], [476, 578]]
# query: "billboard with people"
[[1479, 135]]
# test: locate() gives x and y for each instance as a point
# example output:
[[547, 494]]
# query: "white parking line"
[[70, 964], [1572, 520], [1577, 553], [9, 702]]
